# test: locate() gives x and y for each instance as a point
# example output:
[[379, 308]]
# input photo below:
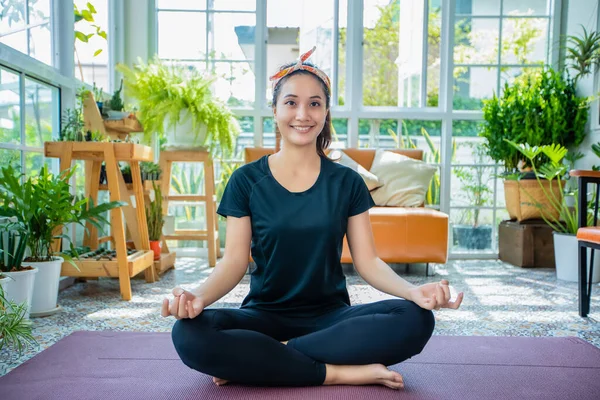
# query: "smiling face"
[[301, 110]]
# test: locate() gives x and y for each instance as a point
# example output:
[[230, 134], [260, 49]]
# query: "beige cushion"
[[370, 179], [406, 180]]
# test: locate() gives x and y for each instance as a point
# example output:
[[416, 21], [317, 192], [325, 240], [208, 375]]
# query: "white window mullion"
[[335, 61], [554, 28], [446, 94], [423, 100], [260, 66], [498, 72], [354, 56], [116, 41]]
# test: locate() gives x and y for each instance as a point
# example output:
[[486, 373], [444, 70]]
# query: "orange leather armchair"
[[401, 234]]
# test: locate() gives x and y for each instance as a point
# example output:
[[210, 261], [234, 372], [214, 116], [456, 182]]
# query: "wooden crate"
[[526, 244], [166, 262], [136, 263]]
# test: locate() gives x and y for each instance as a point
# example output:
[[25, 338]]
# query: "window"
[[493, 43], [25, 26], [24, 129], [215, 36]]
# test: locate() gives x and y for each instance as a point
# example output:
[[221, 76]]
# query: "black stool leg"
[[584, 295]]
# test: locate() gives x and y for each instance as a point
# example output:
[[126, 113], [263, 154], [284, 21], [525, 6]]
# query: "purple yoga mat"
[[132, 365]]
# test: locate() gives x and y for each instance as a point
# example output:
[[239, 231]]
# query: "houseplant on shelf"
[[44, 204], [177, 102], [539, 108], [15, 327], [18, 279], [154, 218], [151, 171], [114, 108], [565, 225]]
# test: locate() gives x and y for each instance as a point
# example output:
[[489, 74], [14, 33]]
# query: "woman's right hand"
[[184, 305]]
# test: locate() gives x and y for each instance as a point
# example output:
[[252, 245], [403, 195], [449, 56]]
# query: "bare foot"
[[284, 342], [371, 374], [219, 381]]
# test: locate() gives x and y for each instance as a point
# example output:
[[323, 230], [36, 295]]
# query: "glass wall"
[[392, 85]]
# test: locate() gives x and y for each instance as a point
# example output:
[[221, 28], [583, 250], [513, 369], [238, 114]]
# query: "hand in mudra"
[[184, 305], [435, 295]]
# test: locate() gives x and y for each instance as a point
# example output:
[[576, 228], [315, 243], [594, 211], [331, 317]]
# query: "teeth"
[[302, 128]]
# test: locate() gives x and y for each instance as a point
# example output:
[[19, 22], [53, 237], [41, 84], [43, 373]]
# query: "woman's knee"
[[190, 339]]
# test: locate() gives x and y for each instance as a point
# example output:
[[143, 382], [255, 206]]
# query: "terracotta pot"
[[155, 247]]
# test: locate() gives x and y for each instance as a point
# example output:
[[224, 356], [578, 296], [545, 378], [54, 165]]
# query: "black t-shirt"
[[297, 237]]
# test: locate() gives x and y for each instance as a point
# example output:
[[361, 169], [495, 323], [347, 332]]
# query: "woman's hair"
[[324, 138]]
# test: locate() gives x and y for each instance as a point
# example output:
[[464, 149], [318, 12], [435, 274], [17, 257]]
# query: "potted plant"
[[177, 102], [150, 171], [468, 233], [45, 204], [115, 105], [15, 327], [126, 172], [18, 279], [539, 108], [154, 218], [565, 226]]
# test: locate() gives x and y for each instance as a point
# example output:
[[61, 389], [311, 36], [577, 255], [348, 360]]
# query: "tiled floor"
[[500, 300]]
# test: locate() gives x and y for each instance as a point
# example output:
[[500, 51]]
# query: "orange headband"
[[300, 65]]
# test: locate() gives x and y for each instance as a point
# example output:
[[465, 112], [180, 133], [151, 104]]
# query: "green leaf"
[[90, 7], [81, 36], [97, 52], [87, 15]]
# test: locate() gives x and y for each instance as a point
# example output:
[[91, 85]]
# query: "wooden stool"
[[211, 234]]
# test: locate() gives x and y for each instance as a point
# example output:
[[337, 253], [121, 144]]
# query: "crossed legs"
[[350, 345]]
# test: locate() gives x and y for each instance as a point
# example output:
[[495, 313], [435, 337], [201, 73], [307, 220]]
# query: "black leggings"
[[243, 345]]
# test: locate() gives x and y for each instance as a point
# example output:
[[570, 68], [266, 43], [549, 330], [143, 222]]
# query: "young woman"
[[292, 209]]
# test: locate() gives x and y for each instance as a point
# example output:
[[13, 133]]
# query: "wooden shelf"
[[94, 151], [166, 262], [136, 263], [123, 126]]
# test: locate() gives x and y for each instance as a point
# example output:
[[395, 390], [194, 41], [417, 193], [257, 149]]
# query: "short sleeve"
[[235, 201], [360, 200]]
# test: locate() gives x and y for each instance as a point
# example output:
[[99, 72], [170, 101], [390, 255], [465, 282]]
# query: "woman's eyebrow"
[[293, 95]]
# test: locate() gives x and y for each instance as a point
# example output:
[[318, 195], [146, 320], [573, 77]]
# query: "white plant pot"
[[169, 226], [567, 258], [45, 291], [19, 287], [182, 135], [117, 114]]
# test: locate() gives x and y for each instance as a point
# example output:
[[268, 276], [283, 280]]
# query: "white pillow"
[[406, 179], [372, 181]]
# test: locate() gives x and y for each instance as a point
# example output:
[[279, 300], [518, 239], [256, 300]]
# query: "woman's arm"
[[231, 269], [369, 266]]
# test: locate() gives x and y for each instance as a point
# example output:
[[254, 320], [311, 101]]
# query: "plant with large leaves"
[[554, 171], [44, 204]]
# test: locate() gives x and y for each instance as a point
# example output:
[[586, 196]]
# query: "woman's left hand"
[[436, 295]]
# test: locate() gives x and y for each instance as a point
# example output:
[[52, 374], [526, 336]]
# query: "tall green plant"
[[164, 91], [539, 108], [43, 204], [154, 215]]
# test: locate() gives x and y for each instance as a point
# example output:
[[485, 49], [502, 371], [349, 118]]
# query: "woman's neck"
[[296, 158]]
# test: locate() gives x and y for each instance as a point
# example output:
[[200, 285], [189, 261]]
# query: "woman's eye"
[[315, 104], [290, 102]]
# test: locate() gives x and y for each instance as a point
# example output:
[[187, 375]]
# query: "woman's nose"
[[301, 112]]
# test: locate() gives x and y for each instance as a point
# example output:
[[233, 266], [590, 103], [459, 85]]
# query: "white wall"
[[585, 12]]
